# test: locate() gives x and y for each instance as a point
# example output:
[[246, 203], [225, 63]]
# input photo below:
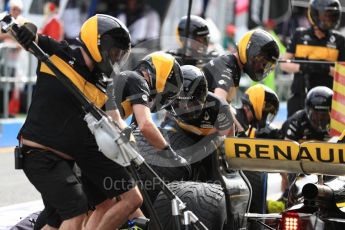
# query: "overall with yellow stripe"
[[61, 125], [304, 45]]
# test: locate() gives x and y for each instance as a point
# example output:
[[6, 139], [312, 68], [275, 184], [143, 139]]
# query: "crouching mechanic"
[[198, 116], [55, 131], [310, 123], [154, 84], [260, 105]]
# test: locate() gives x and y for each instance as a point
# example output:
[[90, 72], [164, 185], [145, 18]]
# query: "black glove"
[[26, 34], [174, 158], [315, 68]]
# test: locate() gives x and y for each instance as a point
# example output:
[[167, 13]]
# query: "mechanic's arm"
[[147, 126], [289, 67], [225, 121], [225, 95], [115, 115], [221, 93]]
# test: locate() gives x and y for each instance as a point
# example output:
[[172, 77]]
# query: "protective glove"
[[315, 68], [268, 132], [173, 157], [26, 34]]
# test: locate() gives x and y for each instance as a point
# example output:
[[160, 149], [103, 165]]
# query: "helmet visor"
[[260, 66], [197, 45], [320, 120], [270, 111], [329, 18], [114, 55], [165, 99], [187, 108], [118, 56]]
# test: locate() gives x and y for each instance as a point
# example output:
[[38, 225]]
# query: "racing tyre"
[[168, 174], [206, 201]]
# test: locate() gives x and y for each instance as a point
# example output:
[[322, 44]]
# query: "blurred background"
[[152, 25]]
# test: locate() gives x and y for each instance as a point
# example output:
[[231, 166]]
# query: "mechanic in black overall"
[[310, 123], [320, 42], [198, 116], [198, 122], [256, 56], [260, 105], [55, 132], [154, 84], [196, 51]]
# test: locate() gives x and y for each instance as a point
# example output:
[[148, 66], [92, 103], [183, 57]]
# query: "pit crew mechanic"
[[198, 114], [257, 54], [320, 42], [154, 84], [310, 123], [54, 130], [197, 51]]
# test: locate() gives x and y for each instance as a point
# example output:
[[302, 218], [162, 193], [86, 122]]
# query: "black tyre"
[[206, 201], [168, 174]]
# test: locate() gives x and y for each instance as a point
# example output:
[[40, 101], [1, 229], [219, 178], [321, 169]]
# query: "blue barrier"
[[8, 131]]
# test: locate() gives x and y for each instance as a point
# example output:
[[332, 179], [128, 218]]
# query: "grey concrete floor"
[[14, 186]]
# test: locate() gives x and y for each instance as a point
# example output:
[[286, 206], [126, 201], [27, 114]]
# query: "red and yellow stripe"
[[338, 102]]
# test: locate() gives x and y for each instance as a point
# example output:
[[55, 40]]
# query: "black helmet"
[[165, 78], [189, 104], [199, 35], [324, 14], [258, 52], [318, 107], [106, 40], [263, 102]]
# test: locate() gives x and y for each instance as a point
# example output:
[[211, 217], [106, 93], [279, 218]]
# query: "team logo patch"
[[206, 116], [144, 97], [289, 132], [221, 117], [221, 82]]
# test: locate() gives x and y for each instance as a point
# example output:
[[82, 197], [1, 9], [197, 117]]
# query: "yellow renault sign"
[[246, 148]]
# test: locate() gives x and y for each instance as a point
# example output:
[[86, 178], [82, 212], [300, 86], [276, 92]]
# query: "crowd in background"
[[144, 23]]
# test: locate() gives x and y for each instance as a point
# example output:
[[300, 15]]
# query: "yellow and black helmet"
[[324, 14], [258, 52], [199, 34], [165, 77], [106, 40], [263, 102]]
